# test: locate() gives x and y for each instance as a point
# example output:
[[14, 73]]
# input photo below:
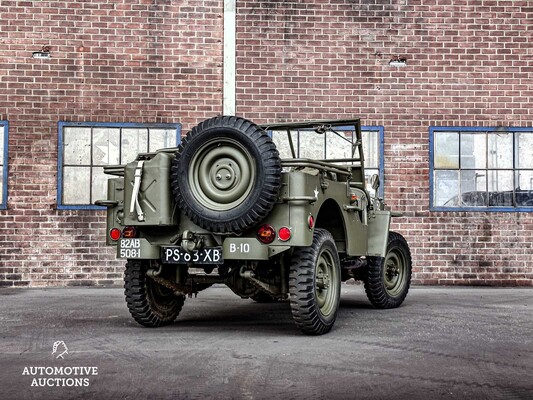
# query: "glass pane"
[[76, 146], [99, 184], [524, 144], [76, 185], [473, 150], [106, 146], [338, 146], [134, 141], [524, 190], [500, 154], [368, 174], [524, 180], [446, 190], [1, 183], [500, 185], [281, 141], [446, 150], [371, 148], [473, 189], [2, 144], [312, 145], [162, 139]]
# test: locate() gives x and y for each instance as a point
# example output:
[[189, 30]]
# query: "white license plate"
[[176, 255]]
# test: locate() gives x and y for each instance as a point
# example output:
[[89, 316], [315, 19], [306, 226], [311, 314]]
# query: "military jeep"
[[224, 208]]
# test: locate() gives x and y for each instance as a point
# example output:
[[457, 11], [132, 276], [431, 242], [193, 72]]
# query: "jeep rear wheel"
[[388, 279], [149, 303], [226, 174], [315, 284]]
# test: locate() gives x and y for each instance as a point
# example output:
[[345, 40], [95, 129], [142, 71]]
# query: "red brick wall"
[[112, 61], [469, 63]]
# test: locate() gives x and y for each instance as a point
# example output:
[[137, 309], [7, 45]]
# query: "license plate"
[[176, 255]]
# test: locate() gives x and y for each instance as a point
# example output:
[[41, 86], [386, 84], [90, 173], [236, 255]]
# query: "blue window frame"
[[315, 146], [481, 169], [4, 128], [84, 148]]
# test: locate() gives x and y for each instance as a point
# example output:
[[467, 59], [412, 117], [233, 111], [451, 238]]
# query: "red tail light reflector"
[[266, 234], [284, 234], [311, 222], [115, 234]]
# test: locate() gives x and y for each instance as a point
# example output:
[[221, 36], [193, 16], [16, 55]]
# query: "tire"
[[315, 284], [226, 175], [149, 303], [388, 279]]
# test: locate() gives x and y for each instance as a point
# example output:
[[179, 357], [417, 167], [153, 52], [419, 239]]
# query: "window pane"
[[473, 189], [473, 150], [1, 183], [99, 183], [134, 141], [524, 144], [368, 174], [281, 141], [77, 146], [371, 148], [106, 146], [500, 185], [446, 150], [524, 190], [311, 145], [76, 185], [446, 190], [162, 139], [2, 145], [524, 180], [500, 150], [338, 146]]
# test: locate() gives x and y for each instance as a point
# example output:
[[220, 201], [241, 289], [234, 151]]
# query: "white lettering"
[[130, 243], [232, 247], [130, 253]]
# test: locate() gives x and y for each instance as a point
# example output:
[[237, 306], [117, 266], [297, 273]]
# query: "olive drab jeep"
[[224, 208]]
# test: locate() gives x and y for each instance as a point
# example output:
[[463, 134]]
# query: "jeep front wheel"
[[149, 303], [388, 278], [315, 284]]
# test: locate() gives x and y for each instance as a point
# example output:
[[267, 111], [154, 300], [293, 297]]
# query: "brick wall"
[[111, 61], [468, 63]]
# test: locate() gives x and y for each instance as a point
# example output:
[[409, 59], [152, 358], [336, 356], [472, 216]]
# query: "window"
[[84, 148], [329, 146], [481, 169], [3, 164]]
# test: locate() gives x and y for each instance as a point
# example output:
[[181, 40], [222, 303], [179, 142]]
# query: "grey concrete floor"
[[443, 343]]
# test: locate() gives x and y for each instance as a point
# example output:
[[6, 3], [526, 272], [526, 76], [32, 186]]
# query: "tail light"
[[130, 232], [266, 234]]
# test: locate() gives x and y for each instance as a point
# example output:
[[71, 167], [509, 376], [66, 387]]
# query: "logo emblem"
[[60, 348]]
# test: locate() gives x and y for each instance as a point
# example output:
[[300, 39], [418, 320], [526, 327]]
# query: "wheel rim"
[[326, 289], [394, 272], [161, 298], [220, 174]]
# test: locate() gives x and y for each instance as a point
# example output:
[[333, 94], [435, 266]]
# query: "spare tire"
[[226, 174]]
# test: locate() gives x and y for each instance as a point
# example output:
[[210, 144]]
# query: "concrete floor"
[[443, 343]]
